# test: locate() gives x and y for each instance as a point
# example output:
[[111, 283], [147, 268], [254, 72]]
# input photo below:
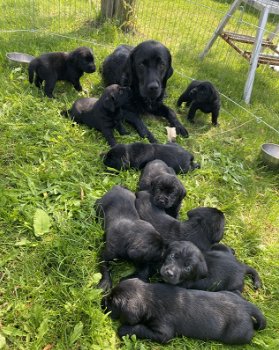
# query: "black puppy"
[[114, 65], [103, 114], [165, 188], [68, 66], [201, 95], [137, 155], [146, 69], [127, 237], [204, 227], [160, 312], [214, 270]]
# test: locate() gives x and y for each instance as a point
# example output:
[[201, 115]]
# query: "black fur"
[[213, 270], [204, 227], [201, 95], [127, 237], [165, 188], [68, 66], [103, 114], [137, 155], [146, 69], [160, 312]]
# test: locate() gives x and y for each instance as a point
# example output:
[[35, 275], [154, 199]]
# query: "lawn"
[[51, 169]]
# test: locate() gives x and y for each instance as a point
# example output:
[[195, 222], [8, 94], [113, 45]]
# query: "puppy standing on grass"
[[68, 66], [127, 236], [214, 270], [160, 312], [103, 114], [201, 95], [165, 188]]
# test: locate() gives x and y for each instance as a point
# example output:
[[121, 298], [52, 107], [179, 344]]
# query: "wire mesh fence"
[[184, 26]]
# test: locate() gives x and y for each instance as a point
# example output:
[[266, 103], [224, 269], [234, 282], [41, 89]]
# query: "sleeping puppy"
[[68, 66], [113, 67], [127, 237], [160, 312], [214, 270], [103, 114], [146, 69], [204, 227], [165, 188], [201, 95], [137, 155]]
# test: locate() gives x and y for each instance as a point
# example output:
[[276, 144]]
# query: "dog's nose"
[[169, 273], [153, 87]]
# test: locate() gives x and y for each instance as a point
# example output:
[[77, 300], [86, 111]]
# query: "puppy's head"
[[117, 157], [166, 190], [146, 244], [148, 69], [127, 301], [115, 96], [203, 92], [82, 59], [183, 262], [211, 220]]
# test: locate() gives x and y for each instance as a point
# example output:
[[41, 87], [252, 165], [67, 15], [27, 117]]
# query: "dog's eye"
[[141, 66], [162, 66], [172, 256], [188, 268]]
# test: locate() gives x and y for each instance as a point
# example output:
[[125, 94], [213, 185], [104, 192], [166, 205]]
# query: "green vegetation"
[[51, 173]]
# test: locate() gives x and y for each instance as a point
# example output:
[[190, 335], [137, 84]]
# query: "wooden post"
[[121, 10]]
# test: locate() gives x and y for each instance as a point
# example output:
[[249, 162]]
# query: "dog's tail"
[[31, 70], [258, 318], [254, 275]]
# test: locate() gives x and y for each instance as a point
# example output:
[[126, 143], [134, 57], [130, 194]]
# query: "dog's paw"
[[180, 130], [124, 330], [105, 285]]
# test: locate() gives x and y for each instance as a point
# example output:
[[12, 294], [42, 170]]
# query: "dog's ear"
[[109, 103], [169, 71], [202, 269]]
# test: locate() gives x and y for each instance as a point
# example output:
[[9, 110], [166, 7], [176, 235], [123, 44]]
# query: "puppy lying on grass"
[[103, 114], [54, 66], [204, 227], [160, 312], [214, 270], [137, 155], [201, 95], [165, 188], [127, 237]]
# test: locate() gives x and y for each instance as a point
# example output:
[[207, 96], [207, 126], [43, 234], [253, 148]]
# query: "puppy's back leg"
[[38, 81], [254, 275], [49, 86], [143, 332]]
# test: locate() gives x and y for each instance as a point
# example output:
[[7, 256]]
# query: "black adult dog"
[[201, 95], [146, 69], [205, 226], [166, 190], [160, 312], [137, 155], [213, 270], [103, 114], [68, 66], [127, 237]]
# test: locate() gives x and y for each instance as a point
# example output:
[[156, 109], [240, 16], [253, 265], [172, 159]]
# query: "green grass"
[[48, 278]]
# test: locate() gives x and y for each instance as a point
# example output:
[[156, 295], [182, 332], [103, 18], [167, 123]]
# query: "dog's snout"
[[153, 87], [169, 273]]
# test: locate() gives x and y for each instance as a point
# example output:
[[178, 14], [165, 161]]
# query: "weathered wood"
[[121, 10]]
